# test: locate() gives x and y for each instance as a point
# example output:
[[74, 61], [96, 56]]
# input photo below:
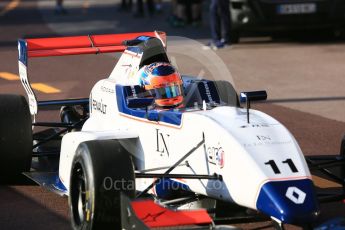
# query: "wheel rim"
[[81, 202], [78, 196]]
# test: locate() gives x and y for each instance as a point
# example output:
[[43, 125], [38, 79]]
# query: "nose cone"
[[292, 202]]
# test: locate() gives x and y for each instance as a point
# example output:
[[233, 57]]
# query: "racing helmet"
[[163, 82]]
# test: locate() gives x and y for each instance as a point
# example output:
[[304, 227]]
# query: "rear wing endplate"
[[75, 45]]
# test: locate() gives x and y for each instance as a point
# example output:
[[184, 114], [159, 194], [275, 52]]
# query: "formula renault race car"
[[124, 163]]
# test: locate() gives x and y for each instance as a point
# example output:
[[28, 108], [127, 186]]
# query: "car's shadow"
[[31, 207]]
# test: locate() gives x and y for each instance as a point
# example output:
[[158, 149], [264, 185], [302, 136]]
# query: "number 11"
[[275, 168]]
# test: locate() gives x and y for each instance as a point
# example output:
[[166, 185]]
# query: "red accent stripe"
[[93, 44], [75, 51], [154, 215]]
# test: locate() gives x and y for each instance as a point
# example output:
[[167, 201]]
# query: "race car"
[[149, 138]]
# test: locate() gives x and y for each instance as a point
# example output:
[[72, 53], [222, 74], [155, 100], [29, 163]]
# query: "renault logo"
[[295, 195]]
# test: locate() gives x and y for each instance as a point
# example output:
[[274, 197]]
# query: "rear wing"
[[75, 45]]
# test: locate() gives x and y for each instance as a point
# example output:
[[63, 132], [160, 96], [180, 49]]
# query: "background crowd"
[[181, 13]]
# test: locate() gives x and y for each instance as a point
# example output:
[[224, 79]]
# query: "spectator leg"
[[215, 21], [140, 9], [150, 6], [225, 19]]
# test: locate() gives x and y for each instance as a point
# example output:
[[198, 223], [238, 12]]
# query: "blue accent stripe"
[[22, 51], [167, 188], [59, 185], [135, 49], [167, 116], [144, 38]]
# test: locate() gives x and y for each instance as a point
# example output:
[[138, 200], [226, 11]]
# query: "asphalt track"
[[304, 78]]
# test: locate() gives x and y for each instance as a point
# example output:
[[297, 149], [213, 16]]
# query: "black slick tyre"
[[15, 138], [101, 171]]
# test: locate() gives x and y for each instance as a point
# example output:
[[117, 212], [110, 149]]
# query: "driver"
[[164, 83]]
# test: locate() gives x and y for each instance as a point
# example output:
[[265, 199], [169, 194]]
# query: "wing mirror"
[[253, 96], [136, 103], [247, 97]]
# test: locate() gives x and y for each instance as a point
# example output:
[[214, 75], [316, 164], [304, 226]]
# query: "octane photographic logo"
[[118, 185], [110, 183]]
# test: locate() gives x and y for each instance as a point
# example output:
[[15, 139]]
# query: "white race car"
[[117, 142]]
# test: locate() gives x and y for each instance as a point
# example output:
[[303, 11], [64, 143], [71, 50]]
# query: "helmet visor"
[[170, 91]]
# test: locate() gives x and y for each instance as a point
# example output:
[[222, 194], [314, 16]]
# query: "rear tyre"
[[15, 138], [102, 170]]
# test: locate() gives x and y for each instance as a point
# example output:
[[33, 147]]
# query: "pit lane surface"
[[304, 81]]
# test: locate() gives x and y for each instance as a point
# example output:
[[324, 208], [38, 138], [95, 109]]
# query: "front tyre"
[[101, 171]]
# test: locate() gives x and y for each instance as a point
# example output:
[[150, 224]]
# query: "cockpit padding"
[[219, 92], [227, 93]]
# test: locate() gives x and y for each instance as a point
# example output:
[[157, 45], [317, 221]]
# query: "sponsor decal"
[[161, 139], [107, 90], [25, 82], [208, 93], [215, 156], [129, 65], [132, 73], [99, 106], [255, 126], [296, 195], [262, 140], [134, 93]]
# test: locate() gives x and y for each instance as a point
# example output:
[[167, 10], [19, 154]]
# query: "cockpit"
[[134, 101], [198, 93]]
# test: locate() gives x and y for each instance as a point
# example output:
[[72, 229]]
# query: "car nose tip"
[[292, 202]]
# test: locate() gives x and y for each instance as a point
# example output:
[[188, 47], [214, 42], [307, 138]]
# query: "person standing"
[[196, 12], [140, 8], [220, 23], [181, 16], [159, 6], [59, 9], [126, 5]]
